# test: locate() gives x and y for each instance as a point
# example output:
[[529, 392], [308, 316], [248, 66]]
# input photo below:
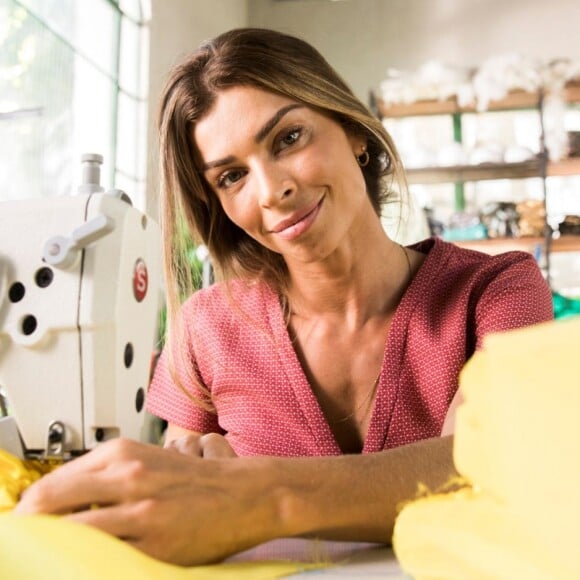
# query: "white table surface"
[[352, 561]]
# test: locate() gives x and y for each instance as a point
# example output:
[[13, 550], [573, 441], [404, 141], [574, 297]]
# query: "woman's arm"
[[186, 510], [357, 497]]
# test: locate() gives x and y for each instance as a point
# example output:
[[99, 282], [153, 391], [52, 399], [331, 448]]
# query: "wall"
[[362, 38]]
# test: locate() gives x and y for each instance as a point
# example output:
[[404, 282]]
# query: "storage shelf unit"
[[538, 167]]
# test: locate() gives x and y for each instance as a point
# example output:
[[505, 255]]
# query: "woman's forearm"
[[352, 497]]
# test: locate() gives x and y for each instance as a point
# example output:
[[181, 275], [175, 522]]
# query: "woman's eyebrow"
[[260, 136], [217, 163], [271, 123]]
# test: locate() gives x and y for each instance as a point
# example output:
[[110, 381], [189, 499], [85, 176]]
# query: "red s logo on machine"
[[140, 280]]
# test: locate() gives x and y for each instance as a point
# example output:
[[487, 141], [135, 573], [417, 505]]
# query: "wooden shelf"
[[564, 168], [566, 244], [534, 168], [572, 93], [489, 171], [463, 173], [499, 245], [515, 100]]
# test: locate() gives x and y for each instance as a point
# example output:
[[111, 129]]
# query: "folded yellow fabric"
[[35, 547], [516, 441]]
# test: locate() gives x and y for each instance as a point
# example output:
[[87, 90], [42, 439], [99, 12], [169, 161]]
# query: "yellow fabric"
[[34, 547], [468, 535], [517, 442], [16, 475]]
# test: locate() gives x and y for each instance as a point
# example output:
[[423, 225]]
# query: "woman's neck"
[[356, 283]]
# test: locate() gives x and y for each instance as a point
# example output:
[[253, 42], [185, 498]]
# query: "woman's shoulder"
[[500, 291], [449, 270], [446, 254]]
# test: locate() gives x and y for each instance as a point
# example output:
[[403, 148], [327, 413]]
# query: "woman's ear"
[[358, 144]]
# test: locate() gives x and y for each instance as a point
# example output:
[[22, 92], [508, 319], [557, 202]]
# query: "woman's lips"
[[295, 226]]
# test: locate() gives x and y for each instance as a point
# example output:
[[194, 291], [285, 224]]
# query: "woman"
[[331, 353]]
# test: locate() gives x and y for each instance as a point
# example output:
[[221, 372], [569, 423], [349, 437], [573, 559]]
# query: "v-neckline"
[[387, 390]]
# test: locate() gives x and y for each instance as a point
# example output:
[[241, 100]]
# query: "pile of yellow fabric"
[[517, 442]]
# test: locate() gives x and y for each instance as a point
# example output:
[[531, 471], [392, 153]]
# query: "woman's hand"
[[174, 507], [208, 445]]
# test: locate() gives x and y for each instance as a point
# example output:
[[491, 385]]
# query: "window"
[[73, 80]]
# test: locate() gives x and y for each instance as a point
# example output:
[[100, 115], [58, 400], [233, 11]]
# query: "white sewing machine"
[[80, 280]]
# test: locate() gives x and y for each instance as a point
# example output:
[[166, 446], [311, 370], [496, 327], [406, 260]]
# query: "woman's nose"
[[274, 184]]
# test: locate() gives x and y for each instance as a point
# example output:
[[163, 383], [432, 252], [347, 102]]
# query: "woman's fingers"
[[209, 446], [58, 494], [115, 520], [173, 506], [215, 446], [155, 524], [188, 445], [117, 471]]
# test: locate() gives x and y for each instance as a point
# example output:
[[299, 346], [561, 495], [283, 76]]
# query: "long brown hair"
[[274, 62]]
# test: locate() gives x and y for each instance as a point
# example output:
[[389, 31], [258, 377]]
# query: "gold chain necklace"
[[370, 395], [368, 399]]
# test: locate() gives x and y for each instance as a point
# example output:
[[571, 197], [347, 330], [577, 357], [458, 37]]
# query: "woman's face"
[[284, 173]]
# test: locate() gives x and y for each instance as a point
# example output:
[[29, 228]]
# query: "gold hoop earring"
[[363, 159]]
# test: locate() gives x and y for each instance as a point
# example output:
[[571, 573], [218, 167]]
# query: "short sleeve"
[[175, 399], [515, 297]]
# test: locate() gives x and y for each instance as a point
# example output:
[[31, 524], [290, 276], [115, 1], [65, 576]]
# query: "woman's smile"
[[300, 222]]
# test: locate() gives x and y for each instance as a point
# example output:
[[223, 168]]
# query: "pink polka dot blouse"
[[243, 355]]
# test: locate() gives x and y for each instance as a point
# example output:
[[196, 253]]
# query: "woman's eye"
[[289, 138], [230, 178]]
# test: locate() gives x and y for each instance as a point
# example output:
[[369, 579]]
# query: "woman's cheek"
[[244, 212], [309, 168]]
